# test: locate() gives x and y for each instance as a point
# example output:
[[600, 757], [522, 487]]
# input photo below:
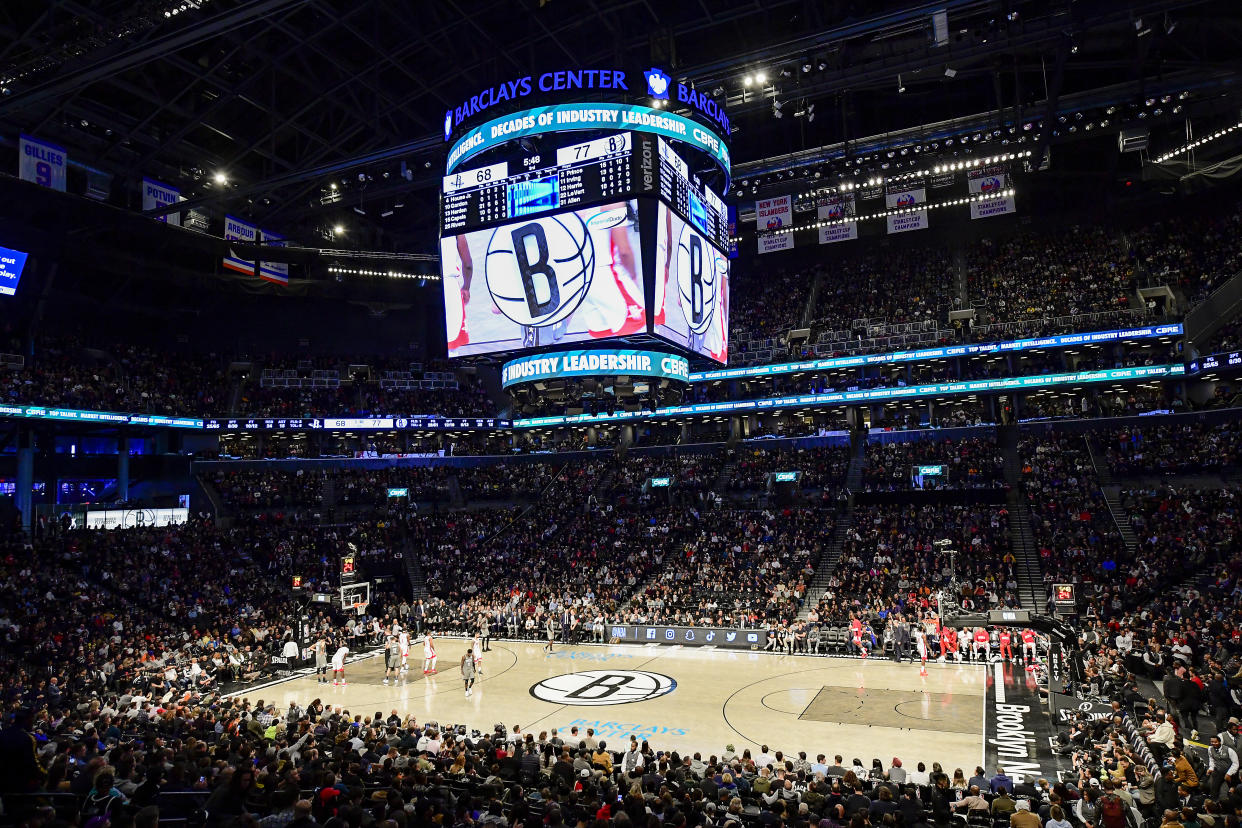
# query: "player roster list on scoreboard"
[[594, 171]]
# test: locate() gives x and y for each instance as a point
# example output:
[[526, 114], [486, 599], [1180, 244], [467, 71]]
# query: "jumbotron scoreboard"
[[559, 229], [614, 167]]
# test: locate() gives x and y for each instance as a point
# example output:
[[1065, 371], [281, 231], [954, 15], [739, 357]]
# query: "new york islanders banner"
[[238, 230], [906, 200], [275, 272], [774, 213], [841, 210], [155, 194], [42, 163]]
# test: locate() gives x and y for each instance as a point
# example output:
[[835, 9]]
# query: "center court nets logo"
[[596, 688]]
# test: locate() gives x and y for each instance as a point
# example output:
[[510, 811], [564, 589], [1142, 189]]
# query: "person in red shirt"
[[1005, 650], [1028, 648], [856, 633], [951, 644], [982, 644]]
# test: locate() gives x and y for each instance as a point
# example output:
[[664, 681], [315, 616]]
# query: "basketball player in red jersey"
[[454, 312], [614, 303], [661, 293]]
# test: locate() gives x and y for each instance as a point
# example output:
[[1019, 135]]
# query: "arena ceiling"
[[285, 98]]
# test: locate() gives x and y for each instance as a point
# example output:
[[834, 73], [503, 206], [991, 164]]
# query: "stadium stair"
[[456, 498], [329, 491], [213, 497], [725, 477], [854, 474], [1031, 592], [414, 574], [1008, 435], [828, 563], [1112, 492]]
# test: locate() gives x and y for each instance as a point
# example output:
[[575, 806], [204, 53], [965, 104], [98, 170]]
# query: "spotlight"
[[748, 80], [761, 77], [338, 230], [901, 87], [221, 178]]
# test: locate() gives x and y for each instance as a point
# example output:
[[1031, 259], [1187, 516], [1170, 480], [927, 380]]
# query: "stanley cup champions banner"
[[42, 163], [275, 272], [985, 182], [839, 209], [155, 194], [238, 230], [906, 199]]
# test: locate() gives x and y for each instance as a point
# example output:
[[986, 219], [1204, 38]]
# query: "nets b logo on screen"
[[599, 688], [657, 83], [539, 272]]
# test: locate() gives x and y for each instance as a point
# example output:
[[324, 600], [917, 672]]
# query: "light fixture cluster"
[[388, 274], [969, 163], [1211, 136], [901, 211]]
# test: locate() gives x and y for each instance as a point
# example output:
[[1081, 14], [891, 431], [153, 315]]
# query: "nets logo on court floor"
[[596, 688]]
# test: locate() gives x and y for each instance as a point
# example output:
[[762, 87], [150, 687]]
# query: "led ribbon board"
[[594, 363], [872, 395], [606, 116], [1063, 341], [40, 412]]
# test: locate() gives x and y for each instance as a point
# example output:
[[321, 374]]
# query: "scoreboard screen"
[[595, 171], [692, 200], [545, 279], [691, 307]]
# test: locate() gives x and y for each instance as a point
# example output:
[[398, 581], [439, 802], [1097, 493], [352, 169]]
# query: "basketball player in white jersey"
[[476, 648], [457, 294], [429, 656], [613, 305], [403, 639], [338, 666]]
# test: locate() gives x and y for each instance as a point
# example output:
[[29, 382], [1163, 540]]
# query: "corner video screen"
[[526, 197], [12, 262], [560, 278], [691, 303]]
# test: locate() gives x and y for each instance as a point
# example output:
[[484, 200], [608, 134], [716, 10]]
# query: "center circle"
[[597, 688]]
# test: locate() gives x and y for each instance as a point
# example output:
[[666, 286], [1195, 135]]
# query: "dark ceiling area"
[[303, 114]]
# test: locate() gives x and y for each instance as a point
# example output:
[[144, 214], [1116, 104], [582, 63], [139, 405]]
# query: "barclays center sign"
[[573, 84]]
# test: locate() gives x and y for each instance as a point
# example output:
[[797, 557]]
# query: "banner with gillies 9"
[[564, 277]]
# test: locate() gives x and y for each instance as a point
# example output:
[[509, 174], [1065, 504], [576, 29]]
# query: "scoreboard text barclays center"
[[572, 222]]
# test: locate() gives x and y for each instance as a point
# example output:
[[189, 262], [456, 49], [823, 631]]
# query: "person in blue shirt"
[[1001, 781]]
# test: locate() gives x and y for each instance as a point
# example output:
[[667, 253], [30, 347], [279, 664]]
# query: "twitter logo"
[[657, 83]]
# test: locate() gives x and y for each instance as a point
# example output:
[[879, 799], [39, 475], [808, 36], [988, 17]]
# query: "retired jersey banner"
[[155, 194], [238, 230], [774, 213], [988, 207], [988, 180], [771, 242], [275, 272], [732, 214], [838, 210], [42, 163]]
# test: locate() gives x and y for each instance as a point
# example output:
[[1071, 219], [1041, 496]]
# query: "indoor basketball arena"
[[701, 415]]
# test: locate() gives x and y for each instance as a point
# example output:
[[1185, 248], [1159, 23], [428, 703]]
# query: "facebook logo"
[[651, 634]]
